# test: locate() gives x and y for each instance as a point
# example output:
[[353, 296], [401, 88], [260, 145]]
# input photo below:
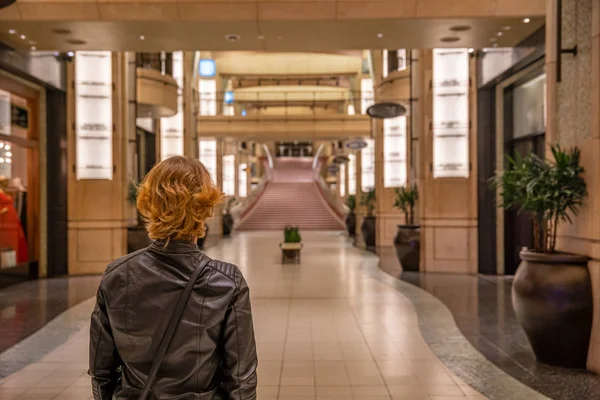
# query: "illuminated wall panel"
[[450, 113], [229, 175], [243, 181], [342, 180], [368, 166], [93, 115], [351, 174], [171, 128], [208, 156], [394, 154]]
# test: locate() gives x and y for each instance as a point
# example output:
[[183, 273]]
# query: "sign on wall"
[[93, 115], [229, 175], [171, 128], [450, 113], [368, 166], [351, 174], [208, 156], [394, 155]]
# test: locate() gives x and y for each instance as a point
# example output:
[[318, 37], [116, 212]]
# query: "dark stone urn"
[[368, 229], [552, 298], [227, 224], [408, 246], [351, 224]]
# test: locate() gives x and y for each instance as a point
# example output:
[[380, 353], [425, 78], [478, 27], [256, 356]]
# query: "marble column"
[[447, 206], [97, 209], [573, 120]]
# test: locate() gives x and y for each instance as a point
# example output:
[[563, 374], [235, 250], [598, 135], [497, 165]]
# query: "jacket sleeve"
[[240, 360], [104, 359]]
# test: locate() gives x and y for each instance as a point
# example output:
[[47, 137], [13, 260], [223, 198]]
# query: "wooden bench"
[[290, 251]]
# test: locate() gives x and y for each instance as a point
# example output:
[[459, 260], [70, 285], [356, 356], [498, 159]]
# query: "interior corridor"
[[334, 327]]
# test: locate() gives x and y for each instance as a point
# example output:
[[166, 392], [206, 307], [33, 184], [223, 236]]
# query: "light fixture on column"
[[386, 110]]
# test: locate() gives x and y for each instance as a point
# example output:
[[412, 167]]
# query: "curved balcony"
[[157, 90]]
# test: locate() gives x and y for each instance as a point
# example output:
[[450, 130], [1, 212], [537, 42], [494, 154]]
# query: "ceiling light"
[[71, 54], [8, 154], [142, 37], [23, 37], [33, 48], [460, 28], [232, 37], [7, 147], [12, 31], [500, 33], [450, 39], [471, 50], [261, 37], [380, 35], [506, 28], [526, 20]]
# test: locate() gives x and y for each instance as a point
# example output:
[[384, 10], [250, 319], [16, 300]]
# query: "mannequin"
[[20, 202], [11, 231]]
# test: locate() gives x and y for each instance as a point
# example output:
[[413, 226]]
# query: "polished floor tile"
[[325, 329]]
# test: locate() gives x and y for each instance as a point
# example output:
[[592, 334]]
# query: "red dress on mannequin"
[[11, 231]]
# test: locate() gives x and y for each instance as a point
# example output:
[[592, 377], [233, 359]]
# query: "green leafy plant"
[[550, 191], [406, 200], [368, 199], [291, 234], [351, 202]]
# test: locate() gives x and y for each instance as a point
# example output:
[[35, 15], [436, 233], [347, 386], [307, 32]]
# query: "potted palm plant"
[[369, 225], [552, 291], [351, 217], [228, 218], [292, 244], [408, 239]]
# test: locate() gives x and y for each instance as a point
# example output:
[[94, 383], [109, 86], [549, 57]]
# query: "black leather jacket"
[[213, 352]]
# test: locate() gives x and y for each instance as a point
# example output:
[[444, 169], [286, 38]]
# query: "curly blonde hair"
[[176, 198]]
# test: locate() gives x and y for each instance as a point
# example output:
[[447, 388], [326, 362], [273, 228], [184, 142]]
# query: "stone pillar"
[[447, 206], [97, 209], [361, 211], [573, 120]]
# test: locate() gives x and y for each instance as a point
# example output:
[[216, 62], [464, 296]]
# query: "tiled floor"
[[326, 329]]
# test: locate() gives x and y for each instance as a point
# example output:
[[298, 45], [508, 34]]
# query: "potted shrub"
[[552, 292], [351, 217], [137, 237], [408, 239], [369, 225], [292, 244], [228, 218]]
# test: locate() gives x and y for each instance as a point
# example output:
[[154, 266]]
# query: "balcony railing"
[[284, 102], [162, 62]]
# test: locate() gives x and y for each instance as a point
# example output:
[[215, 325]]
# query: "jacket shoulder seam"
[[119, 262]]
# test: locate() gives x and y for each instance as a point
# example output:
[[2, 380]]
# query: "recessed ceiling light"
[[526, 20], [70, 54], [61, 31], [261, 37], [506, 28], [500, 33], [450, 39], [76, 42], [471, 50], [142, 37], [23, 37], [460, 28], [232, 37], [33, 48], [12, 31], [380, 35]]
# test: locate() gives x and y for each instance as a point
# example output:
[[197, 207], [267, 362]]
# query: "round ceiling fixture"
[[76, 42], [460, 28], [232, 37], [450, 39], [61, 31], [386, 110], [380, 35], [340, 159], [526, 20], [6, 3]]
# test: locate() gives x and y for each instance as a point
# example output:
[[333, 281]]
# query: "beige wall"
[[574, 120]]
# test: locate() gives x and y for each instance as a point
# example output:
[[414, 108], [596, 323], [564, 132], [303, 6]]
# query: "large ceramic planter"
[[408, 246], [227, 224], [368, 229], [552, 298], [351, 224]]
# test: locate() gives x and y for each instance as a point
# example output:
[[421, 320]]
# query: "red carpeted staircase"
[[291, 198]]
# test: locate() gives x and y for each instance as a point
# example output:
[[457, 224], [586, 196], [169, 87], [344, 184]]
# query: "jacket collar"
[[175, 246]]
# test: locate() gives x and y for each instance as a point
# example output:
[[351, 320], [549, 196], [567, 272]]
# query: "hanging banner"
[[450, 113], [171, 128], [394, 154], [93, 115]]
